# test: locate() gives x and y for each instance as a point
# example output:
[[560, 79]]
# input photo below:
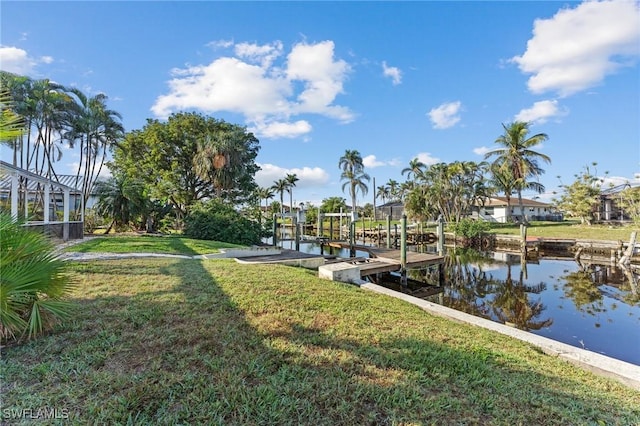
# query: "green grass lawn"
[[149, 244], [570, 230], [181, 341]]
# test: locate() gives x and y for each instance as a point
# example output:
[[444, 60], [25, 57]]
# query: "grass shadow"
[[212, 342]]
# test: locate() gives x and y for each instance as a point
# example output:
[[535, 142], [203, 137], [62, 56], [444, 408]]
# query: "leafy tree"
[[449, 190], [188, 158], [367, 210], [516, 153], [581, 198], [333, 205], [353, 174], [33, 284], [630, 199], [218, 221]]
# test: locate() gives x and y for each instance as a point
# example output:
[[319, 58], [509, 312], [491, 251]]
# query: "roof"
[[502, 202], [619, 188], [33, 179]]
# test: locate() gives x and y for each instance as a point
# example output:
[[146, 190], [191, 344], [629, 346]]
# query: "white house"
[[495, 210]]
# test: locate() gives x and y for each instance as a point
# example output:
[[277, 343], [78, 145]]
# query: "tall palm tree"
[[354, 175], [355, 181], [394, 187], [291, 180], [383, 193], [517, 154], [265, 194], [281, 186], [501, 180], [97, 129], [415, 168]]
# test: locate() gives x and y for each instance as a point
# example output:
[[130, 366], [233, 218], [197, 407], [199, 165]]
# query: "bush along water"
[[473, 232], [33, 284], [214, 220]]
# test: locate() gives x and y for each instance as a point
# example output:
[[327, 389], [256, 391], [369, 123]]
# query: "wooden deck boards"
[[389, 260]]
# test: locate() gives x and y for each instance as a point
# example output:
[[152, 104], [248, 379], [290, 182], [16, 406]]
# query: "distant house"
[[495, 210], [609, 208], [393, 209]]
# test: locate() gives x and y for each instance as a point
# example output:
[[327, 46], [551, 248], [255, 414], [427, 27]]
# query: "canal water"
[[590, 306]]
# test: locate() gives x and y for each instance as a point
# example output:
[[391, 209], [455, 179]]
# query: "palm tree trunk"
[[523, 219]]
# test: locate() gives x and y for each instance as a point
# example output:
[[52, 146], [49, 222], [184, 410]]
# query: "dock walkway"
[[385, 260]]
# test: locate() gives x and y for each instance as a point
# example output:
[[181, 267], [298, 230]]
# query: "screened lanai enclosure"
[[41, 203]]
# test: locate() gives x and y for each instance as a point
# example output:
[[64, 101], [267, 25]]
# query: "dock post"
[[388, 231], [352, 239], [440, 235], [275, 229], [364, 232], [320, 223], [395, 235], [296, 230], [330, 228], [403, 251]]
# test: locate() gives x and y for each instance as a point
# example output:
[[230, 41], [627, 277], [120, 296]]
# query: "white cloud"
[[15, 60], [372, 162], [309, 176], [541, 111], [394, 73], [445, 115], [426, 158], [281, 129], [577, 48], [220, 44], [612, 181], [481, 150], [264, 55], [269, 96]]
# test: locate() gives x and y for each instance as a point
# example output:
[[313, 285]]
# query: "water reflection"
[[592, 306], [588, 305]]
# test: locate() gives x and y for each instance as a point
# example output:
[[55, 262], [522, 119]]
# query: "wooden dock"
[[385, 260]]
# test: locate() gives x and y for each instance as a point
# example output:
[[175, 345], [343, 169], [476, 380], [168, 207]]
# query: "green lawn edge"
[[182, 341]]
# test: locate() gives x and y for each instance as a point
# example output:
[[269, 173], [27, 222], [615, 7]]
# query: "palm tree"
[[394, 187], [119, 199], [291, 180], [501, 180], [383, 193], [355, 183], [220, 155], [353, 172], [265, 194], [34, 284], [97, 129], [516, 153], [280, 186], [415, 168]]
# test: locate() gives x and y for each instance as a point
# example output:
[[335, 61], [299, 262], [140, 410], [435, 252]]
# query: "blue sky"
[[393, 80]]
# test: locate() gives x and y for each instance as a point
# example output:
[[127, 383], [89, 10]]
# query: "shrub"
[[470, 228], [214, 220], [32, 284]]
